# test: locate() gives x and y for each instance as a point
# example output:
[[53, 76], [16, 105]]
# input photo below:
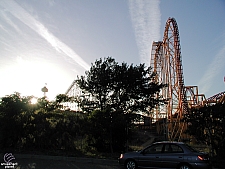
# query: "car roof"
[[173, 142]]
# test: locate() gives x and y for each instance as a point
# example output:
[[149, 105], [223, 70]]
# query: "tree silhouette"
[[119, 87], [113, 96], [207, 125]]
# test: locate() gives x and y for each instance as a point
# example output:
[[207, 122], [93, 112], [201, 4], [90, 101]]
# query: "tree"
[[107, 130], [56, 104], [40, 126], [116, 93], [12, 108], [60, 99], [119, 87], [207, 125]]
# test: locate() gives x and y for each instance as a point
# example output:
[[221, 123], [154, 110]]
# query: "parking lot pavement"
[[57, 162]]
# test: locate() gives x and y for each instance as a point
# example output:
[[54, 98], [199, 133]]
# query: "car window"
[[191, 148], [153, 149], [172, 148]]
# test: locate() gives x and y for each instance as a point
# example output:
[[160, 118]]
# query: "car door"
[[151, 156], [172, 156]]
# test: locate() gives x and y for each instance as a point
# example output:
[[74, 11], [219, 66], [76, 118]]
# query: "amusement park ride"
[[167, 64]]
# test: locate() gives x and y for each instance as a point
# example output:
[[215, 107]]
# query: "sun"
[[33, 100]]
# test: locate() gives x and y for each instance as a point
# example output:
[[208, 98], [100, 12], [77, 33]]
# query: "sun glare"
[[33, 100], [28, 77]]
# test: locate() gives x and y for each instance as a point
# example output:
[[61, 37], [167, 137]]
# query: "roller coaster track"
[[166, 62], [218, 98]]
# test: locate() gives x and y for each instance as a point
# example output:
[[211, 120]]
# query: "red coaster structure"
[[166, 62]]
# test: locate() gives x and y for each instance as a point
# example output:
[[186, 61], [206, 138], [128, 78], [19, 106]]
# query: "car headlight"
[[121, 155]]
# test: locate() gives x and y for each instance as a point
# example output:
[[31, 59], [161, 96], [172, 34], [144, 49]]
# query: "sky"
[[51, 42]]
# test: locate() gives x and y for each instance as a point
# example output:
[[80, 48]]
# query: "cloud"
[[39, 28], [213, 70], [146, 20], [9, 21]]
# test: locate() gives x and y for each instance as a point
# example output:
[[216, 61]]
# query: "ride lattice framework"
[[167, 65]]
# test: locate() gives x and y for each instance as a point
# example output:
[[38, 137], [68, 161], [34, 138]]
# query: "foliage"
[[207, 125], [38, 126], [113, 96], [107, 130], [118, 87]]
